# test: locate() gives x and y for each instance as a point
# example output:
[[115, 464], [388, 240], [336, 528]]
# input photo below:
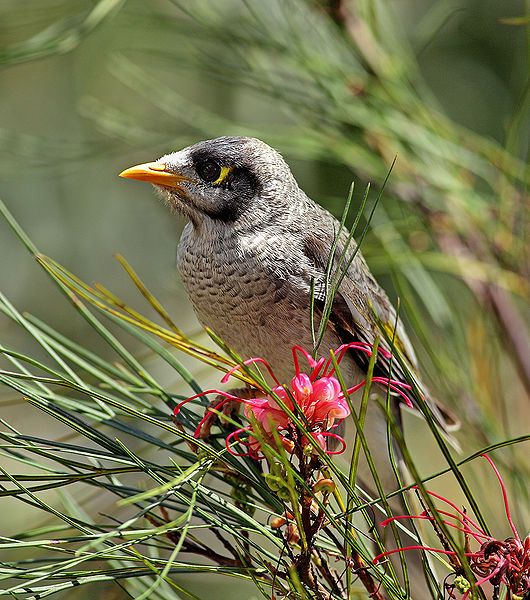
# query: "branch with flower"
[[297, 424], [316, 398], [497, 562]]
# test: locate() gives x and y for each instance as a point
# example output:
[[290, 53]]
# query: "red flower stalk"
[[316, 397], [499, 562]]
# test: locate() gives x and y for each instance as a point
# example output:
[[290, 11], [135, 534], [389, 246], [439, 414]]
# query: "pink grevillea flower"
[[499, 562], [315, 397]]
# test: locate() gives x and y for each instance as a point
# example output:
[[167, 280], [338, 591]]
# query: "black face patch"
[[234, 192], [242, 182]]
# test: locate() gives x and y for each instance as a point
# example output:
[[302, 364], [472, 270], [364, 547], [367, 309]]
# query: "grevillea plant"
[[500, 563], [316, 398], [246, 485], [297, 421]]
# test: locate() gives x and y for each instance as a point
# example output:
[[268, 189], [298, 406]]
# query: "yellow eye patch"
[[225, 171]]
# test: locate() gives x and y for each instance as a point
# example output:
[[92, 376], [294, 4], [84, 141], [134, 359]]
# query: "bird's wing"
[[361, 311]]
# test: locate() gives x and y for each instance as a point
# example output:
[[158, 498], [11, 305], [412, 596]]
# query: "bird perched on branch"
[[256, 249]]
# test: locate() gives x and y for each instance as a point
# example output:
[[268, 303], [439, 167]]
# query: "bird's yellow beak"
[[154, 172]]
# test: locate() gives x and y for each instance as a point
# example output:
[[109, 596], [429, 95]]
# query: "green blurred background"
[[59, 169], [89, 88]]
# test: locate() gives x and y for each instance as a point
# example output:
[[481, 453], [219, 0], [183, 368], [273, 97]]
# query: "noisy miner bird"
[[255, 249]]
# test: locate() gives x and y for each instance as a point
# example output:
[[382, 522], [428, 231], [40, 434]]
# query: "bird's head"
[[225, 180]]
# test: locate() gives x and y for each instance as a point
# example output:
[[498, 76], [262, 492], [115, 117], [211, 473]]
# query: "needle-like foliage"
[[280, 514]]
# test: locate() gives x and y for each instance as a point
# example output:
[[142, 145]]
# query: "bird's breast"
[[255, 309]]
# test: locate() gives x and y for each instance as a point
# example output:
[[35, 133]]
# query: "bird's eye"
[[209, 170]]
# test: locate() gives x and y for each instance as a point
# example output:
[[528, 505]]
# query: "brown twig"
[[514, 328], [359, 567], [303, 563], [329, 575], [191, 548], [516, 336]]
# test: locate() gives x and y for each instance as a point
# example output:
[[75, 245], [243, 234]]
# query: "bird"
[[254, 259]]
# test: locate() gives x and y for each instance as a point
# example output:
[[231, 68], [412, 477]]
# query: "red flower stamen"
[[425, 517], [227, 395], [378, 558], [504, 496], [392, 384], [464, 515], [317, 397], [500, 562], [314, 364], [338, 438], [251, 361]]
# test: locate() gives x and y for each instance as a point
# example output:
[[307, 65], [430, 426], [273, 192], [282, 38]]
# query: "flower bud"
[[278, 522], [292, 534], [273, 482], [462, 584], [283, 494], [288, 445], [326, 486]]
